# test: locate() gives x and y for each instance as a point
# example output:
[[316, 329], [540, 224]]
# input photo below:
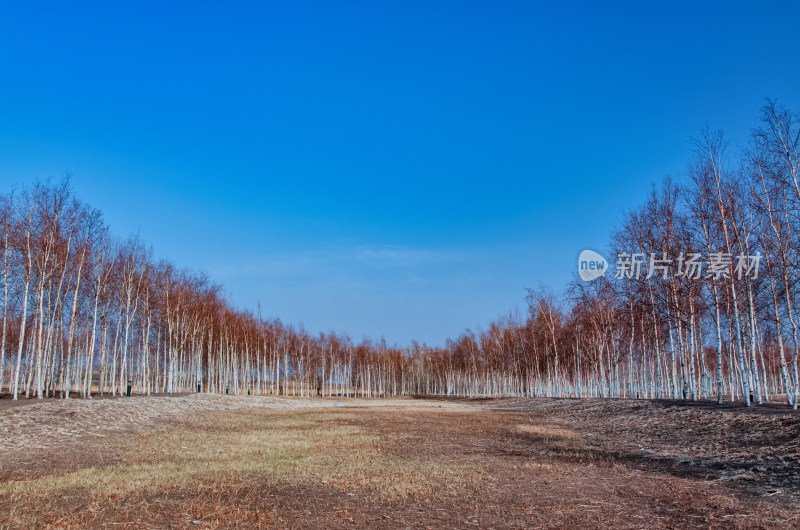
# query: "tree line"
[[702, 304]]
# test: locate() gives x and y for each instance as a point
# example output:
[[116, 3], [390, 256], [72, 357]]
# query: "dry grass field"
[[221, 462]]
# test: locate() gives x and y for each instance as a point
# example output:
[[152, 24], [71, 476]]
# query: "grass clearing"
[[281, 448], [405, 463]]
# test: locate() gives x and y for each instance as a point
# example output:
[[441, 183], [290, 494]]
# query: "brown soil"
[[507, 464]]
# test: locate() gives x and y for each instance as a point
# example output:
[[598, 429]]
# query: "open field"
[[223, 461]]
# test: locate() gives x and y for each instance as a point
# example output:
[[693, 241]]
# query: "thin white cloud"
[[363, 258]]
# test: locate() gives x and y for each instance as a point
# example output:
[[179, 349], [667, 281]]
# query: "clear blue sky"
[[380, 168]]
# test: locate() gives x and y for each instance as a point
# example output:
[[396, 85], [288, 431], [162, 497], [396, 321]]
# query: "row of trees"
[[730, 328], [85, 312]]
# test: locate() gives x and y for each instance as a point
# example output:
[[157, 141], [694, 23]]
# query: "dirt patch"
[[755, 451], [547, 473]]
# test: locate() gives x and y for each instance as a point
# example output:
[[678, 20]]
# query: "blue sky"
[[397, 169]]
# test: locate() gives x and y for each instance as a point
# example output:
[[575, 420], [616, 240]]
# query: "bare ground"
[[754, 448], [222, 461]]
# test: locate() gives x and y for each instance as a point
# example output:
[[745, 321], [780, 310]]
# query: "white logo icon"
[[591, 265]]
